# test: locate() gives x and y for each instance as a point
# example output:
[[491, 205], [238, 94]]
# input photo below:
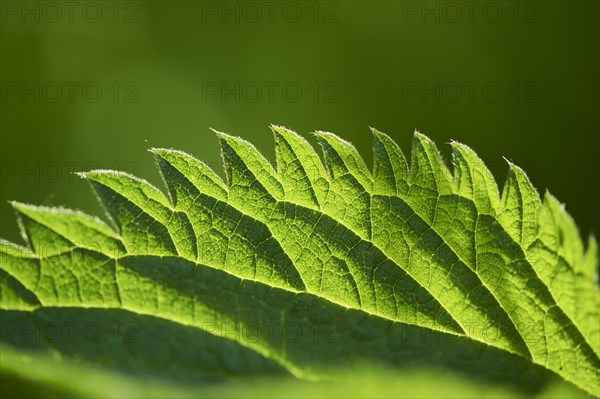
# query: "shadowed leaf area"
[[303, 274]]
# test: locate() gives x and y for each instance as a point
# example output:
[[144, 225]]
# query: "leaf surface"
[[314, 265]]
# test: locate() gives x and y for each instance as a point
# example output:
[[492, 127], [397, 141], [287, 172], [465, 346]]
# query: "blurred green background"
[[94, 84]]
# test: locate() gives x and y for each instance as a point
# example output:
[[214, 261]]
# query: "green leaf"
[[314, 268]]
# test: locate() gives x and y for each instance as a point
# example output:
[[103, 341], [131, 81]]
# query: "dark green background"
[[363, 56]]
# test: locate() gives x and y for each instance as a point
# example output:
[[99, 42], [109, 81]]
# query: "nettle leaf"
[[311, 268]]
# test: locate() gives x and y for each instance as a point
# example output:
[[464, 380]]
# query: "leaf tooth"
[[390, 168], [127, 188], [44, 241], [349, 194], [143, 215], [519, 206], [429, 178], [299, 168], [341, 158], [427, 168], [137, 188], [77, 228], [567, 241], [241, 157], [173, 164], [474, 180]]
